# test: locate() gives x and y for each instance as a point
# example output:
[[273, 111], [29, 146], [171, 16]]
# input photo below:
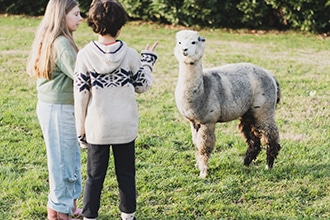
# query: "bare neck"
[[106, 39]]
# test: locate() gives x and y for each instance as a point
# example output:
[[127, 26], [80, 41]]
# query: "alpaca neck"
[[191, 77], [190, 87], [189, 92]]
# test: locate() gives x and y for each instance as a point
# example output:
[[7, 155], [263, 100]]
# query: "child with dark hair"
[[107, 75]]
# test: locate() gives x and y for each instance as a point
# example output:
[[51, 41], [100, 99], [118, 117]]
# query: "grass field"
[[167, 181]]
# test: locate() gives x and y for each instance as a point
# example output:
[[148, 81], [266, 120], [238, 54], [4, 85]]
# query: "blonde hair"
[[41, 60]]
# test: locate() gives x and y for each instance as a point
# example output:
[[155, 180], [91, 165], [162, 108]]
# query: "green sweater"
[[59, 90]]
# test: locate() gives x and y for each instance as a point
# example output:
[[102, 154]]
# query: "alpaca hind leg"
[[205, 141], [252, 139], [270, 139], [272, 151]]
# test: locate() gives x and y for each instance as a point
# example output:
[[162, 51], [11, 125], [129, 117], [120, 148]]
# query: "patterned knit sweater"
[[106, 79]]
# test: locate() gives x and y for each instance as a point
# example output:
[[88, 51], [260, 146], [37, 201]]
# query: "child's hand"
[[153, 48]]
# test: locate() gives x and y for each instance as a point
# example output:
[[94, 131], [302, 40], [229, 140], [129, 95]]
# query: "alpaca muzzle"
[[185, 52]]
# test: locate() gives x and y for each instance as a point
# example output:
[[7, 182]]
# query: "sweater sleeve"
[[82, 85], [142, 78], [65, 57]]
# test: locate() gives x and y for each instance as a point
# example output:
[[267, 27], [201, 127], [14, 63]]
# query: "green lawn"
[[167, 180]]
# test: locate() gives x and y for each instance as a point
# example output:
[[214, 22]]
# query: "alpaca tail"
[[278, 93]]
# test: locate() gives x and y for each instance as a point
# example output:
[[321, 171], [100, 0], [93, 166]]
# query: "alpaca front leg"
[[201, 163], [205, 141], [194, 127]]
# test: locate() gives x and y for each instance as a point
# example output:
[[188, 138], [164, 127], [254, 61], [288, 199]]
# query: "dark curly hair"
[[106, 17]]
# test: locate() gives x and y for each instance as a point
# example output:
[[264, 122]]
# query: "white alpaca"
[[234, 91]]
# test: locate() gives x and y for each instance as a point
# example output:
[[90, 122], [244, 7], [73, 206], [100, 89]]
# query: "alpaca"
[[233, 91]]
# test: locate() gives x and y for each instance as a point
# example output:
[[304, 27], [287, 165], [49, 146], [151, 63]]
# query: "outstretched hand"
[[153, 48]]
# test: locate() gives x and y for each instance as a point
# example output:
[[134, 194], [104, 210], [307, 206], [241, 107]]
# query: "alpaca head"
[[189, 46]]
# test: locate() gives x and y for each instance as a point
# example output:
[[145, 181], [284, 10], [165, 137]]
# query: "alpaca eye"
[[179, 42], [194, 42]]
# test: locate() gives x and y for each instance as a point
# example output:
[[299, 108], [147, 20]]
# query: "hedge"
[[304, 15]]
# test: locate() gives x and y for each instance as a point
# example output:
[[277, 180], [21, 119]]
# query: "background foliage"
[[304, 15]]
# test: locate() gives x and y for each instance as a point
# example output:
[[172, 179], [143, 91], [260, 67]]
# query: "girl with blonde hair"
[[51, 61]]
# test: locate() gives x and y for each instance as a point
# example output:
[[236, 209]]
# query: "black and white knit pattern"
[[148, 57], [117, 78]]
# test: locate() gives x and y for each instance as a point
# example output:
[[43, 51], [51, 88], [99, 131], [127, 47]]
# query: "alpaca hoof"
[[202, 175], [270, 163], [247, 162], [202, 170], [268, 167]]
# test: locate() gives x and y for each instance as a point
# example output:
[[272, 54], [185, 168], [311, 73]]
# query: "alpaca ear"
[[201, 39]]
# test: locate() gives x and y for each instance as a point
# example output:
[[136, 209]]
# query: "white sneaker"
[[127, 216]]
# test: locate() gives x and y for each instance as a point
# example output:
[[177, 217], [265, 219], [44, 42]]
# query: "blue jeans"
[[63, 155], [97, 165]]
